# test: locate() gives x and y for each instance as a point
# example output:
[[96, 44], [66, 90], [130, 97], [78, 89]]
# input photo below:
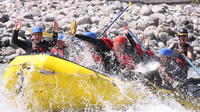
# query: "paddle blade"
[[73, 27], [28, 32], [45, 34], [129, 4]]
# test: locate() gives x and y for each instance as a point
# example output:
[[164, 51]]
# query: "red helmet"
[[108, 42]]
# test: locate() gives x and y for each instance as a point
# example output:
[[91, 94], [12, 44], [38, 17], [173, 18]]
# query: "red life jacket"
[[141, 52], [183, 65], [126, 61], [57, 51]]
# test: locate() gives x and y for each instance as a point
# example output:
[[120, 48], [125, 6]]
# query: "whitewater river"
[[151, 104]]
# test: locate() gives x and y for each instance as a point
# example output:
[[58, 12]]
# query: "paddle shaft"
[[192, 65], [113, 21]]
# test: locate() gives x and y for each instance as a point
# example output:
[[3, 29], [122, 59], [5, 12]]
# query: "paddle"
[[129, 4], [189, 62]]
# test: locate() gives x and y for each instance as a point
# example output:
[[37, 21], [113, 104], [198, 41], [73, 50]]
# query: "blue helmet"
[[37, 29], [60, 36], [90, 34], [165, 52]]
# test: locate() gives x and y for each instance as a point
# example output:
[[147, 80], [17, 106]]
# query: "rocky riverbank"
[[157, 22]]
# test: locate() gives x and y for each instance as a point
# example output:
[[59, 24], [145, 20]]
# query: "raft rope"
[[49, 72]]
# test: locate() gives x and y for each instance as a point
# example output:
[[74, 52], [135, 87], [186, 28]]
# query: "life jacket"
[[183, 65], [39, 48], [58, 52]]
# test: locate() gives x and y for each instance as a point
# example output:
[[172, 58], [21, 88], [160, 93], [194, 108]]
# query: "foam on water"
[[5, 104]]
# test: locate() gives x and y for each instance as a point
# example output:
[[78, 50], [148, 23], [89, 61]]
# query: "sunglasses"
[[183, 36]]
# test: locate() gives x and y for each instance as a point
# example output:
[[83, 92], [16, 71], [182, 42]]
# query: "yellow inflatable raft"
[[48, 82]]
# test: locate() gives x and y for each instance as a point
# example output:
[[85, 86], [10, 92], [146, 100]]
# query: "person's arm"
[[170, 46], [54, 40], [54, 26], [134, 44], [130, 39], [190, 53], [95, 42], [22, 44]]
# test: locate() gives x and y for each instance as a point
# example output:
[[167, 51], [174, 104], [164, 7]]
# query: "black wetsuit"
[[141, 56], [110, 60], [31, 47]]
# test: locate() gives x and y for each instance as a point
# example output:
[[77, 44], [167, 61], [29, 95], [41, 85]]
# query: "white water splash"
[[150, 66]]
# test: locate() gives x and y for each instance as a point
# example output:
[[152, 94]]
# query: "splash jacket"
[[104, 53], [135, 50], [31, 47]]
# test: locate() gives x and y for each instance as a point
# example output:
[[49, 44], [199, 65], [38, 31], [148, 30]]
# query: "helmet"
[[60, 36], [37, 29], [165, 52], [182, 32], [90, 34], [108, 42], [121, 40]]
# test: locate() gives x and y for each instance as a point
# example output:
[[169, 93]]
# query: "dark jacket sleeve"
[[88, 39], [25, 45], [54, 39], [131, 40], [96, 42]]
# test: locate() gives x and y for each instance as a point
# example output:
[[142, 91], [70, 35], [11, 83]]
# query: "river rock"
[[4, 18], [146, 10], [5, 51], [84, 20], [159, 9], [161, 45], [158, 18], [5, 42], [163, 37]]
